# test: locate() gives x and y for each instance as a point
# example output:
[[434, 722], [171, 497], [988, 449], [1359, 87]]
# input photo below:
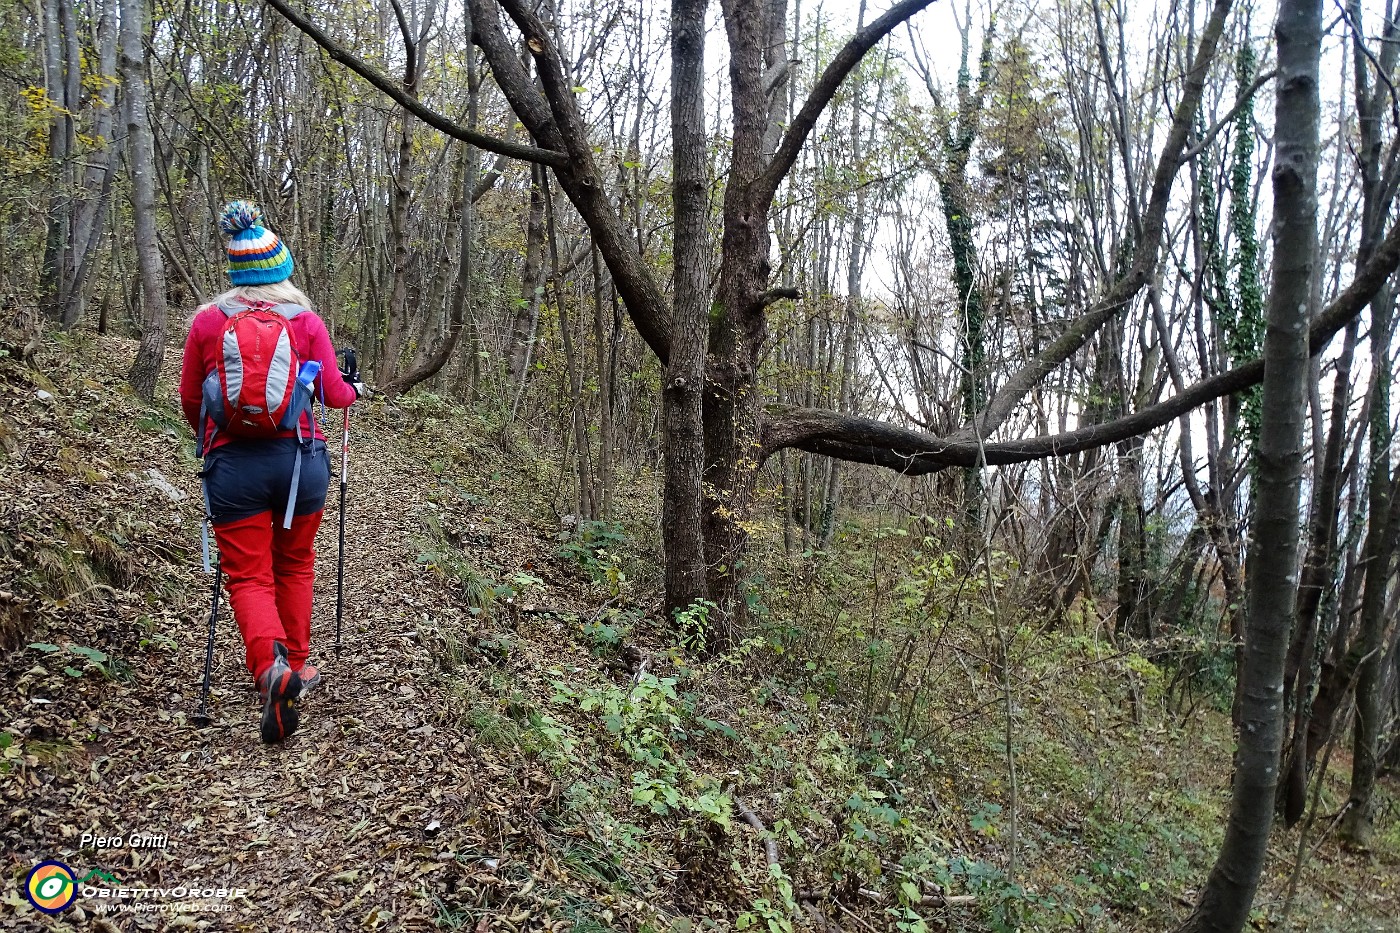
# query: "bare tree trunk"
[[578, 414], [527, 310], [526, 325], [60, 74], [400, 196], [1364, 658], [740, 327], [414, 32], [683, 384], [602, 341], [430, 360], [145, 370], [855, 266], [1319, 567], [1272, 578], [91, 213], [1367, 652]]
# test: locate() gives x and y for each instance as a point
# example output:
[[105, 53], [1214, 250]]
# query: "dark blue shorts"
[[244, 478]]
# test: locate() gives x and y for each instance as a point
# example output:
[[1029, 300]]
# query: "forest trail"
[[364, 818]]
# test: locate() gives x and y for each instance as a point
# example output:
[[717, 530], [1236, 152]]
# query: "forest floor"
[[494, 749]]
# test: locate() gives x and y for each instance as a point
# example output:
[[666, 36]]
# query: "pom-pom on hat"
[[256, 255]]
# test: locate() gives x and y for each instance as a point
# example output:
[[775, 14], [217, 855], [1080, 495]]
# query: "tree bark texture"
[[145, 370], [527, 310], [1272, 571], [683, 387], [60, 77]]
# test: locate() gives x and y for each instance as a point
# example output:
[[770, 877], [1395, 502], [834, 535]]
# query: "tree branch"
[[410, 47], [400, 96], [778, 294], [866, 440], [521, 93], [1229, 117], [488, 181], [825, 89], [554, 119]]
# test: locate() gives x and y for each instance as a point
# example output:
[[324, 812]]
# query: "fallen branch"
[[937, 899], [926, 900], [770, 845]]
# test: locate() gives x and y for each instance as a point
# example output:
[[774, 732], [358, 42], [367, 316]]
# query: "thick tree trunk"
[[1272, 574], [740, 328], [145, 370], [683, 387]]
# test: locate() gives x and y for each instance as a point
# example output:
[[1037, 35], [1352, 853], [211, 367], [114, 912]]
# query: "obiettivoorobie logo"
[[51, 888]]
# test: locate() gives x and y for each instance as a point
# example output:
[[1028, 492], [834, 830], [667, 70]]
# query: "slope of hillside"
[[509, 740]]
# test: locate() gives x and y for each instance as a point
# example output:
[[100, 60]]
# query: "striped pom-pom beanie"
[[256, 255]]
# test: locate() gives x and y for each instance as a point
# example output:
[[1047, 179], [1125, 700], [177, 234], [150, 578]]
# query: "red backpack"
[[251, 392]]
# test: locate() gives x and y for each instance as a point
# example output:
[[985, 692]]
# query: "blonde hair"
[[277, 293]]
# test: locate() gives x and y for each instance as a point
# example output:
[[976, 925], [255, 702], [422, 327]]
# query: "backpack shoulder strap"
[[288, 311]]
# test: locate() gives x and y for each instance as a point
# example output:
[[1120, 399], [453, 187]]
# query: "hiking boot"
[[281, 688], [310, 680]]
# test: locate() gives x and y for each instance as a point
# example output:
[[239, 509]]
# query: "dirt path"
[[378, 814]]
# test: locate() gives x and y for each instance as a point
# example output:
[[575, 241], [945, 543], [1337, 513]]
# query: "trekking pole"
[[201, 716], [353, 370]]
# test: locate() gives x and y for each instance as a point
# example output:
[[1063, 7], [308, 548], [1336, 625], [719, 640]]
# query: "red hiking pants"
[[270, 572]]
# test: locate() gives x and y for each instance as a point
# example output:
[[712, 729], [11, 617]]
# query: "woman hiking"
[[255, 359]]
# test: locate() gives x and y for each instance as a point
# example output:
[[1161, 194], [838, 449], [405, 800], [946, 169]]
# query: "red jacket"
[[204, 344]]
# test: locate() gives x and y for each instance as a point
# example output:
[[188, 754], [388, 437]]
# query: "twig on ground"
[[845, 910], [770, 845], [926, 900], [947, 900], [637, 678], [937, 899]]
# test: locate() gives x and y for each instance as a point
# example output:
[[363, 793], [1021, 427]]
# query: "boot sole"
[[280, 718]]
